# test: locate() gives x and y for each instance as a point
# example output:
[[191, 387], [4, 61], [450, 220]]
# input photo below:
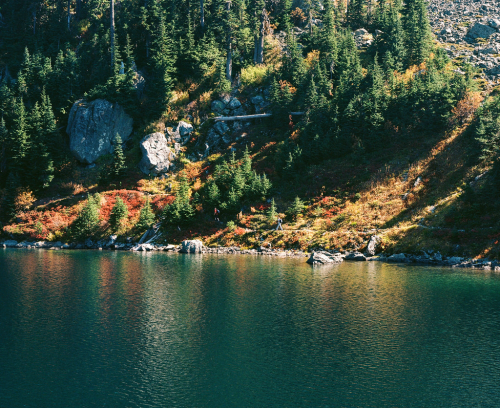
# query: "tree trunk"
[[202, 15], [229, 59], [112, 33], [78, 9], [69, 15], [259, 47]]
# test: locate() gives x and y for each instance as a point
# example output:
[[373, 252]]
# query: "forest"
[[359, 91]]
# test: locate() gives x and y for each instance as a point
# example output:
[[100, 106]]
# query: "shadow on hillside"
[[457, 221]]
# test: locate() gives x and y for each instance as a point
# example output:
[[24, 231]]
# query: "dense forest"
[[354, 99]]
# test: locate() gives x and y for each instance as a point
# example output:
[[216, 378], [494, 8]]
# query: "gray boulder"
[[218, 106], [191, 247], [323, 258], [479, 30], [10, 243], [93, 126], [157, 157], [180, 133], [397, 258], [221, 128], [355, 256], [371, 248], [234, 103], [184, 128]]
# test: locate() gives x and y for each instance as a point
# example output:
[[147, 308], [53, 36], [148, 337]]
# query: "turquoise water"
[[108, 329]]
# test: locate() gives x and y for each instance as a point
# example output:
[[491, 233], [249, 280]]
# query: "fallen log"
[[243, 117], [246, 117]]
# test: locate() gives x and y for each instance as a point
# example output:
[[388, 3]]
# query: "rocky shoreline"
[[315, 258]]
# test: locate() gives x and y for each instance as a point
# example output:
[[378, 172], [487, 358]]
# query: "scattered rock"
[[93, 126], [157, 157]]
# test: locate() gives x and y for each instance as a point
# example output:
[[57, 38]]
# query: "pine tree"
[[418, 31], [356, 16], [118, 213], [180, 211], [311, 99], [118, 164], [146, 217], [328, 39], [162, 67], [87, 222], [18, 139], [272, 213], [296, 208]]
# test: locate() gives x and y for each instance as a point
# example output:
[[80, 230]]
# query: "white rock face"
[[157, 157]]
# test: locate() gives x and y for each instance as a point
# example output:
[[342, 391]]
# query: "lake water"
[[108, 329]]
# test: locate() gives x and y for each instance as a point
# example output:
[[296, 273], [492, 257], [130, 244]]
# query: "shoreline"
[[317, 257]]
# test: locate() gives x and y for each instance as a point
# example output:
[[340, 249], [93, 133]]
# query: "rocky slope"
[[469, 30]]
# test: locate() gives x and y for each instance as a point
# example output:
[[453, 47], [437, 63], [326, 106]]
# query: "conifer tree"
[[272, 213], [18, 138], [180, 211], [118, 164], [87, 222], [418, 31], [162, 67], [118, 213], [146, 217], [296, 208]]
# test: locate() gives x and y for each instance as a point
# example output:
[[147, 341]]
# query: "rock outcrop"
[[93, 126], [157, 157], [191, 247], [323, 257], [180, 133]]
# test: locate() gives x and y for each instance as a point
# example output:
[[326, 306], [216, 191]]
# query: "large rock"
[[371, 248], [157, 157], [93, 126], [323, 257], [355, 256], [180, 133], [10, 243], [397, 258], [479, 30], [191, 247]]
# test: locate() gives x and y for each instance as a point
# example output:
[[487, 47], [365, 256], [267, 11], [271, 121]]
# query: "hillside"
[[389, 140]]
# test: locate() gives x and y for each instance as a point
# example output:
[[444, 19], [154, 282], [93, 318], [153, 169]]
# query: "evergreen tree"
[[118, 213], [118, 164], [272, 213], [180, 211], [18, 138], [418, 31], [162, 67], [296, 208], [146, 217], [87, 222]]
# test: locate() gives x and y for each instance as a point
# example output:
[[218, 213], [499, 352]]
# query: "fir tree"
[[272, 213], [118, 213], [180, 211], [118, 164], [146, 217], [296, 208], [418, 31], [87, 222]]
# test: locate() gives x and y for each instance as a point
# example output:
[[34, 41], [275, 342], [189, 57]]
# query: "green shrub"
[[254, 75]]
